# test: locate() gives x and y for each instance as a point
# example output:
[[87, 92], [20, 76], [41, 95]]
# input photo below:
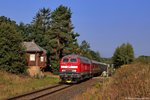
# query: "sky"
[[104, 24]]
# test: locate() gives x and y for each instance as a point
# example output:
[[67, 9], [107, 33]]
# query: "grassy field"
[[11, 84], [128, 82]]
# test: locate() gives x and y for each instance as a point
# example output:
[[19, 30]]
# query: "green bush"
[[55, 68], [123, 55]]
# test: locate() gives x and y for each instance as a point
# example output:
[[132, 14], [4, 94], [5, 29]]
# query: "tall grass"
[[11, 84], [129, 82]]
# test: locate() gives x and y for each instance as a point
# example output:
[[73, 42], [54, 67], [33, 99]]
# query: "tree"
[[117, 60], [95, 55], [40, 26], [143, 59], [12, 56], [85, 48], [129, 54], [61, 36], [87, 52], [26, 31], [123, 55]]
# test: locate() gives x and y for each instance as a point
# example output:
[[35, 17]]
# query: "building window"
[[32, 57], [42, 59]]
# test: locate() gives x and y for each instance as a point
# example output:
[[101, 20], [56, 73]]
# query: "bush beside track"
[[129, 82]]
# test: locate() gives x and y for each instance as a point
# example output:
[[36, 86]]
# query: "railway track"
[[40, 93]]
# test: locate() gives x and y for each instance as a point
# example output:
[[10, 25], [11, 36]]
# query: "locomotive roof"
[[96, 62], [75, 56], [84, 59], [93, 61]]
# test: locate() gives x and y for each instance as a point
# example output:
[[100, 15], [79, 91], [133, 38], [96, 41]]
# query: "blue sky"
[[105, 24]]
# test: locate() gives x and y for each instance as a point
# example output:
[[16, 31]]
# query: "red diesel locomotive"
[[74, 68]]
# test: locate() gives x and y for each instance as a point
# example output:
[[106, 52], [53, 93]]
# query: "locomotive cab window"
[[65, 60], [73, 60]]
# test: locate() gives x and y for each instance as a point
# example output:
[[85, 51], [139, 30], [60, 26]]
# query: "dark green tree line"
[[52, 30], [12, 56]]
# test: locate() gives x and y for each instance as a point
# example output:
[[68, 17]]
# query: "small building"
[[35, 55]]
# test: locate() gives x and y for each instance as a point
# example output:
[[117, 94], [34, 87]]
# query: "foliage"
[[143, 59], [54, 67], [129, 82], [107, 60], [40, 26], [54, 32], [87, 52], [85, 48], [26, 31], [123, 55], [12, 56], [62, 39]]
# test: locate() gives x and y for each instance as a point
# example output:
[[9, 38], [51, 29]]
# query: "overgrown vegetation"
[[52, 30], [143, 59], [123, 55], [129, 81], [12, 84], [11, 51]]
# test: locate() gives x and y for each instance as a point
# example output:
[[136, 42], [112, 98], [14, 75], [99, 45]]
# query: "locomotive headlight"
[[73, 70], [63, 70]]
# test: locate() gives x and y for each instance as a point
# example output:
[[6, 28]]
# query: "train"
[[75, 68]]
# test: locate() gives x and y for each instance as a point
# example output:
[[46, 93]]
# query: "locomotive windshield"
[[65, 60], [73, 60], [69, 60]]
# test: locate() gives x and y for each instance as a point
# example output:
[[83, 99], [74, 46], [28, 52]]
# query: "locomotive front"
[[70, 69]]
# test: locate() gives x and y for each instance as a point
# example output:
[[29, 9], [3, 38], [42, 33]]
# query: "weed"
[[129, 81], [12, 85]]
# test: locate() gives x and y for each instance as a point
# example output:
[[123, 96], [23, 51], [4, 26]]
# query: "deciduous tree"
[[123, 55]]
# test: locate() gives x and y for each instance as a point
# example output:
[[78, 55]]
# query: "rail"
[[40, 93]]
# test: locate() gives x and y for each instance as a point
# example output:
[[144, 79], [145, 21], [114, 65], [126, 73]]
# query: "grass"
[[129, 82], [11, 85]]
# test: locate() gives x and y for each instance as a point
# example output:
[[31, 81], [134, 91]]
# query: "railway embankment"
[[59, 91], [129, 82], [12, 85]]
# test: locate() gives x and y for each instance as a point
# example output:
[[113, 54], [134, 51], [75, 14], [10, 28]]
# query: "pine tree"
[[26, 30], [12, 56], [40, 26], [61, 36]]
